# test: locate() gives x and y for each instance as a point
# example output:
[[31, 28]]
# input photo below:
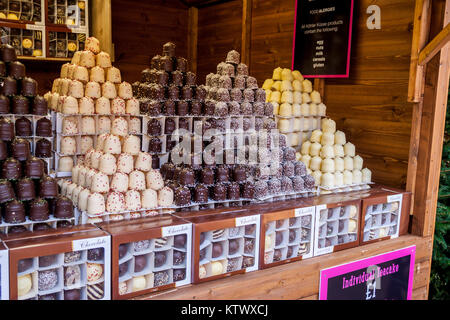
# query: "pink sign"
[[387, 276]]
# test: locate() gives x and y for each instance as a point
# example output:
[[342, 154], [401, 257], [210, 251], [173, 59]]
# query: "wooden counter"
[[300, 280]]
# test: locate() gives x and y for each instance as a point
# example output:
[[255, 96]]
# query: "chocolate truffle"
[[39, 210], [179, 241], [249, 245], [23, 127], [202, 254], [233, 191], [34, 168], [6, 129], [179, 274], [74, 294], [154, 127], [63, 208], [201, 193], [123, 249], [248, 262], [140, 262], [47, 279], [43, 148], [182, 196], [20, 105], [48, 187], [160, 258], [4, 104], [233, 246], [46, 261], [72, 275], [11, 169], [277, 255], [29, 87], [96, 254], [278, 238], [217, 249], [24, 264], [178, 257], [9, 88], [73, 256], [161, 278], [123, 268], [44, 127], [6, 191]]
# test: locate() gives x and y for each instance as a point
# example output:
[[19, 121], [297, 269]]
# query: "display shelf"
[[44, 59], [300, 280]]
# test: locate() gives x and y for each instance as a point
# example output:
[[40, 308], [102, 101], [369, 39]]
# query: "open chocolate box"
[[287, 233], [385, 214], [149, 255], [4, 272], [337, 223], [225, 242], [66, 264]]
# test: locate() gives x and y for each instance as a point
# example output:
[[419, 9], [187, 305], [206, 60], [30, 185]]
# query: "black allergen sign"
[[322, 38], [384, 277]]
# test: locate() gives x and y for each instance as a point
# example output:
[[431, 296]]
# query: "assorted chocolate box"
[[4, 272], [149, 255], [64, 44], [27, 42], [72, 13], [31, 11], [287, 235], [67, 264]]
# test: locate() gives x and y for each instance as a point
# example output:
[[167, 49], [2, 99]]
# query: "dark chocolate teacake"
[[2, 69], [34, 168], [44, 127], [20, 105], [6, 191], [233, 191], [201, 193], [23, 127], [11, 169], [43, 148], [39, 210], [40, 106], [9, 87], [21, 149], [182, 196], [63, 208], [17, 70], [41, 227], [220, 192], [29, 87], [6, 129], [48, 187], [8, 53], [25, 189], [14, 212], [4, 104], [155, 145]]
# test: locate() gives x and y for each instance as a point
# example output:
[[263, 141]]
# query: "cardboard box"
[[337, 223], [50, 264], [159, 247], [235, 236], [4, 272], [287, 235]]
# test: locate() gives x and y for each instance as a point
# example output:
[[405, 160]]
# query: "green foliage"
[[440, 266]]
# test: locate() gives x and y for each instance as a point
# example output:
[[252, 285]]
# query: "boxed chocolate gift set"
[[63, 43], [71, 264], [149, 255], [4, 272], [225, 242], [337, 225], [287, 234], [70, 13], [28, 42], [30, 11], [297, 107]]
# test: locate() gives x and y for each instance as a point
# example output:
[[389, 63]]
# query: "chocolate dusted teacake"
[[17, 229], [16, 69], [4, 104], [25, 189], [6, 191], [23, 127], [201, 193], [20, 105], [64, 224], [43, 148], [182, 196], [48, 187], [20, 149], [44, 127], [39, 210], [34, 168], [169, 49], [29, 87], [11, 169], [14, 212], [9, 87], [41, 227], [8, 53], [40, 106], [6, 129], [63, 208]]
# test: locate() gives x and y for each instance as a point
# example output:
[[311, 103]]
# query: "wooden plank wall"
[[140, 28]]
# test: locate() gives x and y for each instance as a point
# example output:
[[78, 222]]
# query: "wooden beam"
[[246, 31], [297, 280], [102, 25], [192, 42], [319, 86], [422, 14], [434, 46]]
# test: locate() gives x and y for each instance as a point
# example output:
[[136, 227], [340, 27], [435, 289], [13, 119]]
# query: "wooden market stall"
[[392, 106]]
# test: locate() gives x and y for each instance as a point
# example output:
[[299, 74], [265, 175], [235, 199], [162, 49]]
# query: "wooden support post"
[[246, 31], [319, 86], [434, 46], [192, 38], [102, 25]]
